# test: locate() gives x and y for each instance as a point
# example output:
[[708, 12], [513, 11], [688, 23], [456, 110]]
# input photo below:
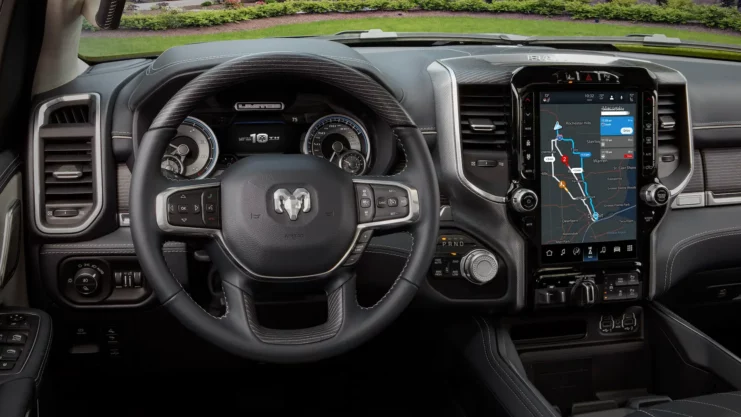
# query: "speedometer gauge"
[[194, 150], [333, 136]]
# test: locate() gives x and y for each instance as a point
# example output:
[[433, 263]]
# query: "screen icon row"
[[588, 252]]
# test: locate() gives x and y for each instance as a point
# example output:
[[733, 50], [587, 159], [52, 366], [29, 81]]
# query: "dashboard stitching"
[[396, 281], [488, 331], [646, 412], [105, 251], [387, 253], [671, 412], [486, 355], [672, 258], [730, 122], [711, 405], [226, 302], [376, 245]]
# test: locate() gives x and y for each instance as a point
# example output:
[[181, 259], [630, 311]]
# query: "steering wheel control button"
[[387, 202], [362, 192], [210, 203], [6, 365], [655, 195], [352, 259], [365, 236], [365, 202], [524, 200], [359, 248]]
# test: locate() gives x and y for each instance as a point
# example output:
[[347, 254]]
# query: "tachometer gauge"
[[352, 162], [193, 152], [332, 136]]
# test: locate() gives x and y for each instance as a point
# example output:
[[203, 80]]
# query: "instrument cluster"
[[211, 139]]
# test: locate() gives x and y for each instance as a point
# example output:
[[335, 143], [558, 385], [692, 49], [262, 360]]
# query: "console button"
[[16, 338], [10, 352], [6, 365]]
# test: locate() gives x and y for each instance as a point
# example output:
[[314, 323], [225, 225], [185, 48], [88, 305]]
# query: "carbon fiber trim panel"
[[280, 64], [697, 182], [299, 336], [478, 71], [123, 184], [722, 170]]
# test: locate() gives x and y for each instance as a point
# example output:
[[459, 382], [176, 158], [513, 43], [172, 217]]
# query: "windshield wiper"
[[378, 36], [375, 36]]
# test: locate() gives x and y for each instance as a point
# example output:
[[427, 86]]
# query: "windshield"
[[149, 27]]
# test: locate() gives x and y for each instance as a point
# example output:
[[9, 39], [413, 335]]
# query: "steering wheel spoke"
[[189, 207]]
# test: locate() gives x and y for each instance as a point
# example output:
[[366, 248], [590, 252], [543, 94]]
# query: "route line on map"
[[593, 215]]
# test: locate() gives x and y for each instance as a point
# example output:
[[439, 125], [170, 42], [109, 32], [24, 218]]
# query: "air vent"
[[670, 110], [485, 112], [67, 157], [70, 114]]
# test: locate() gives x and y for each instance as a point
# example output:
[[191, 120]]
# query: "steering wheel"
[[284, 220]]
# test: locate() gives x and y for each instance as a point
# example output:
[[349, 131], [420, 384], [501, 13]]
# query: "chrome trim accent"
[[690, 138], [258, 106], [97, 162], [713, 200], [689, 200], [482, 128], [164, 225], [429, 133], [124, 219], [367, 156], [667, 122], [446, 214], [211, 138], [292, 203], [10, 216], [717, 127], [443, 122]]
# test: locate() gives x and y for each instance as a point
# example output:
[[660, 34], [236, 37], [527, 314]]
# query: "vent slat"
[[70, 114], [67, 190], [68, 168], [484, 112], [67, 158]]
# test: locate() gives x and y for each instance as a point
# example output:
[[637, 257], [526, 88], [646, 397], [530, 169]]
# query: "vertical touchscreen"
[[589, 169]]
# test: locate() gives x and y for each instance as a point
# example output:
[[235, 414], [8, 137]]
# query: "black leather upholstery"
[[727, 404]]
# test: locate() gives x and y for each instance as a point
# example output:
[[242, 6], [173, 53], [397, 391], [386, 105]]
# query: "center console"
[[586, 194]]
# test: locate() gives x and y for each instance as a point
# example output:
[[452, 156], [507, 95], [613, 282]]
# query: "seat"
[[727, 404]]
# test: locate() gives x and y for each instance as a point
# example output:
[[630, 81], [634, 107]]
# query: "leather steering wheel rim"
[[348, 323]]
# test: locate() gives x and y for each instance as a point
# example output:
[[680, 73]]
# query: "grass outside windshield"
[[103, 45]]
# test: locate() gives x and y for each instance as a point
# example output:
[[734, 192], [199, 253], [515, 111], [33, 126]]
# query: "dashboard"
[[565, 175], [226, 128]]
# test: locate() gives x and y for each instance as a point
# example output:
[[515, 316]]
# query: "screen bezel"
[[536, 183]]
